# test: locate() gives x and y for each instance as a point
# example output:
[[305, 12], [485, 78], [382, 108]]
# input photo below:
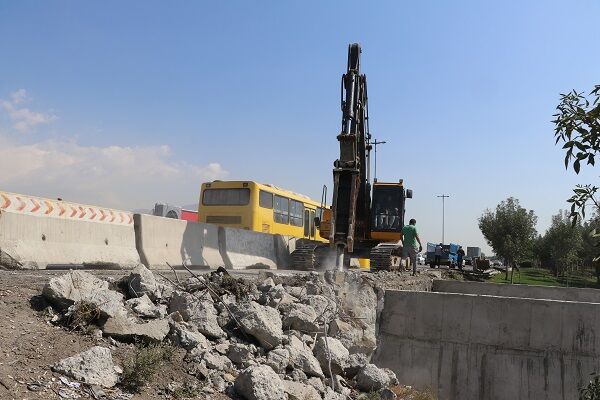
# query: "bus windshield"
[[226, 197]]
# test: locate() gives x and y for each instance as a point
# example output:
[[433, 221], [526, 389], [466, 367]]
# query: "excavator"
[[364, 220]]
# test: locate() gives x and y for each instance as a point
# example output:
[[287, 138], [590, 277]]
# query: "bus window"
[[265, 199], [306, 222], [296, 208], [312, 224], [281, 207], [226, 197]]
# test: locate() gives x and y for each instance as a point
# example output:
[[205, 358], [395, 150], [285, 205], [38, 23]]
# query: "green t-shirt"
[[409, 234]]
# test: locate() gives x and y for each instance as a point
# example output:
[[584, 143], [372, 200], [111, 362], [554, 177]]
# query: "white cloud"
[[24, 120], [111, 176]]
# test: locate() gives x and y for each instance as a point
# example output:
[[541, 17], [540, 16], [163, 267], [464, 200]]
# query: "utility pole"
[[375, 143], [443, 196]]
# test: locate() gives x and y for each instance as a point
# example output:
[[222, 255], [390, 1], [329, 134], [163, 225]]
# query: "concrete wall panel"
[[165, 240], [489, 347]]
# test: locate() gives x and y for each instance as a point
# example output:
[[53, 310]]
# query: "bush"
[[83, 314], [141, 366], [592, 390]]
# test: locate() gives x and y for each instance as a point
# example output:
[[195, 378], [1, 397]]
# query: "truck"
[[449, 255], [365, 220]]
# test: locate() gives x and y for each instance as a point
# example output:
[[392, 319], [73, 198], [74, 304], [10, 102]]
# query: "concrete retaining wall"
[[243, 249], [523, 291], [44, 233], [485, 347]]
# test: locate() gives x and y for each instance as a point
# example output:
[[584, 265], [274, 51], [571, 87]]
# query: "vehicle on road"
[[420, 259]]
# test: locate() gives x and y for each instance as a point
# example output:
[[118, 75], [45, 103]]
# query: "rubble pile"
[[272, 337]]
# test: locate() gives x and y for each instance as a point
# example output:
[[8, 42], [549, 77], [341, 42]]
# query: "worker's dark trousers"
[[437, 261]]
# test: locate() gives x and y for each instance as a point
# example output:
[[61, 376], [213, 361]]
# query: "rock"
[[266, 285], [278, 359], [371, 378], [297, 375], [295, 291], [188, 338], [94, 366], [259, 382], [317, 383], [78, 286], [144, 307], [240, 354], [330, 348], [331, 395], [324, 307], [261, 322], [222, 348], [354, 363], [392, 375], [300, 391], [300, 317], [387, 394], [142, 281], [129, 330], [216, 361], [341, 386], [198, 310], [354, 338], [302, 358]]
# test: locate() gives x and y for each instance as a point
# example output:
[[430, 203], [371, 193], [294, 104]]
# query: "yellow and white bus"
[[259, 207]]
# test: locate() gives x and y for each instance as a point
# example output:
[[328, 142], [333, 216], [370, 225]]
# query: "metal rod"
[[375, 143]]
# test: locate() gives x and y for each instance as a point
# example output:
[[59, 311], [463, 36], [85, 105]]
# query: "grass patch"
[[544, 277], [408, 393], [83, 314], [142, 365]]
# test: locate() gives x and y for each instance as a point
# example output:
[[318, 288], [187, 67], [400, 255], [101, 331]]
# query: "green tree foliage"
[[577, 125], [509, 230], [562, 246]]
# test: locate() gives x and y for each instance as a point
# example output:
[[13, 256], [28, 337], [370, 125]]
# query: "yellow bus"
[[259, 207]]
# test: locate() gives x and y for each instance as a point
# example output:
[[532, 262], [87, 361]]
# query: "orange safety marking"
[[82, 212], [62, 210], [93, 213], [36, 205], [22, 205], [6, 202], [102, 215], [50, 208]]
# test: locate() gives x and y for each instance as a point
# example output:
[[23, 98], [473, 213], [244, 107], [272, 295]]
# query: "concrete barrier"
[[165, 240], [243, 249], [487, 347], [38, 233], [523, 291]]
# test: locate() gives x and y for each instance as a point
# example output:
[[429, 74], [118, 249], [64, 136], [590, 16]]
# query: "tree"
[[509, 230], [562, 245], [577, 124]]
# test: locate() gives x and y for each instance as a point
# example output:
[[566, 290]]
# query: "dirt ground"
[[29, 344]]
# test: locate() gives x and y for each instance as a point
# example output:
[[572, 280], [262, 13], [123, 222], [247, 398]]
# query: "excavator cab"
[[387, 210]]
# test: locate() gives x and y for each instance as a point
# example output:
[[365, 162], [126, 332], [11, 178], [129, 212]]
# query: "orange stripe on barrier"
[[102, 215], [130, 220], [21, 205], [62, 210], [50, 208], [36, 205], [6, 202], [82, 212], [93, 213]]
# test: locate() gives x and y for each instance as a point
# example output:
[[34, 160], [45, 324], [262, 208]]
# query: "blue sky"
[[125, 104]]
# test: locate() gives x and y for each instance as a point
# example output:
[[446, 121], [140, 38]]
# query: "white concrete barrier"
[[38, 233], [165, 240], [244, 249]]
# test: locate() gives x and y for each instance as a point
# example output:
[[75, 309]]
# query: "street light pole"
[[443, 196], [375, 143]]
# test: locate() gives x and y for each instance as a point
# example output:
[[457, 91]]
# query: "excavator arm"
[[350, 216]]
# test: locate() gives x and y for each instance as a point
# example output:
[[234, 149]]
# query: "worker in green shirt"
[[410, 248]]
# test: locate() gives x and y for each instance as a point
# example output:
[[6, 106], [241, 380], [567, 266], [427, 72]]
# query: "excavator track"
[[386, 257], [310, 255]]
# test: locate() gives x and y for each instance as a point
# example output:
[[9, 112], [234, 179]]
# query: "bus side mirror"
[[317, 222], [409, 193]]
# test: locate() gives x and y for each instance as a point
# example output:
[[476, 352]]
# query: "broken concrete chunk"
[[144, 307], [127, 329], [240, 354], [215, 361], [142, 281], [372, 378], [259, 382], [261, 322], [204, 316], [330, 350], [188, 338], [78, 286], [94, 366], [278, 359], [354, 363], [300, 317], [302, 358], [300, 391]]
